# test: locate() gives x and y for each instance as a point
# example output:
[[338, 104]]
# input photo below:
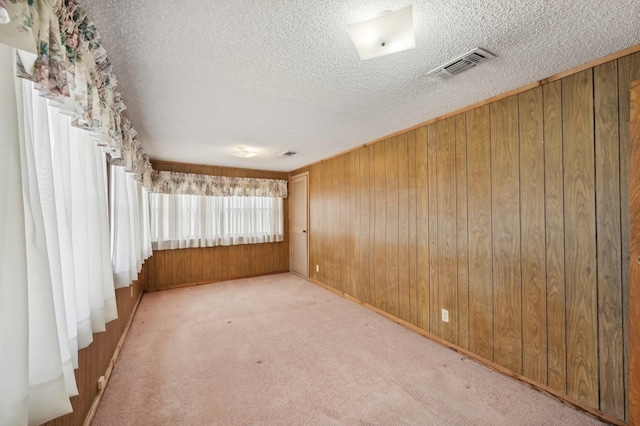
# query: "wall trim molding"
[[228, 171], [107, 375], [612, 57], [485, 362]]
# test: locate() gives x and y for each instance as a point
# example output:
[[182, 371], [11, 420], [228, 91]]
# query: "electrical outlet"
[[445, 315], [317, 268]]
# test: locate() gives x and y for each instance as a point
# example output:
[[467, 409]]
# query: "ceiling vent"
[[462, 63], [288, 154]]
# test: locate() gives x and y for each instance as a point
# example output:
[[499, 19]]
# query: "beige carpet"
[[278, 350]]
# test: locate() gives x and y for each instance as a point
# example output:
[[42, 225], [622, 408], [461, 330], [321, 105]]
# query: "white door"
[[299, 187]]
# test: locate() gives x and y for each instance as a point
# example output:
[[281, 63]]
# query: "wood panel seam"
[[597, 263], [574, 403], [559, 184]]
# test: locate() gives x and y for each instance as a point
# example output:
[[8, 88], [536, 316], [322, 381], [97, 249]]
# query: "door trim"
[[291, 179]]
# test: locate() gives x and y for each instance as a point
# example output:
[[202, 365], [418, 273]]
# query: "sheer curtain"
[[181, 221], [36, 389], [56, 275], [130, 228], [14, 295]]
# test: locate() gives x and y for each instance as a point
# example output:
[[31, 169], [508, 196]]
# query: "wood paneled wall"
[[94, 359], [181, 267], [634, 284], [513, 216]]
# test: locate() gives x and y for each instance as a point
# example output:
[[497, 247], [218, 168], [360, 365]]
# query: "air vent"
[[288, 154], [462, 63]]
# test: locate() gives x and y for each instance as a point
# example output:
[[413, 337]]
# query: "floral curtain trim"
[[4, 13], [72, 68], [132, 156], [18, 21], [71, 62], [223, 186]]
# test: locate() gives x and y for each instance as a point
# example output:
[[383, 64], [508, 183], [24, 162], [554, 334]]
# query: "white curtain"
[[60, 129], [130, 229], [34, 389], [35, 112], [56, 276], [14, 300], [181, 221]]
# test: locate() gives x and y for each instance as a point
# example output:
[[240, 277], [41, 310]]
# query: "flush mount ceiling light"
[[389, 33], [244, 153]]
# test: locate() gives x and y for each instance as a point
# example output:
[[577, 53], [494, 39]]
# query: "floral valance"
[[194, 184], [4, 13], [70, 64], [18, 19], [61, 51], [132, 156]]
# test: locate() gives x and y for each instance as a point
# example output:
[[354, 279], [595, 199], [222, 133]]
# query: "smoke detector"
[[462, 63]]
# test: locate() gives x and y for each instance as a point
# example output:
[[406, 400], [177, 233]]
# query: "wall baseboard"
[[567, 400], [151, 290], [114, 358]]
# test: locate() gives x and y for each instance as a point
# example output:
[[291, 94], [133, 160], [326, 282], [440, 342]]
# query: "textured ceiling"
[[203, 78]]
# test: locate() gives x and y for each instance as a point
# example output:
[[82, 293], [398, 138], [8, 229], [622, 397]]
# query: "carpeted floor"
[[278, 350]]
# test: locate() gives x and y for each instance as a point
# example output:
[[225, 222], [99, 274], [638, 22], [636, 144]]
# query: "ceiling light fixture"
[[386, 34], [244, 153]]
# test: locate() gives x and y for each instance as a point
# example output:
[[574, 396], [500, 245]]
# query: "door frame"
[[291, 179]]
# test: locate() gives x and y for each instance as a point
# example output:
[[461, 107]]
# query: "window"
[[182, 221]]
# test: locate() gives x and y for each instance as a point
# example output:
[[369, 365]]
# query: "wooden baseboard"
[[107, 374], [193, 284], [565, 399]]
